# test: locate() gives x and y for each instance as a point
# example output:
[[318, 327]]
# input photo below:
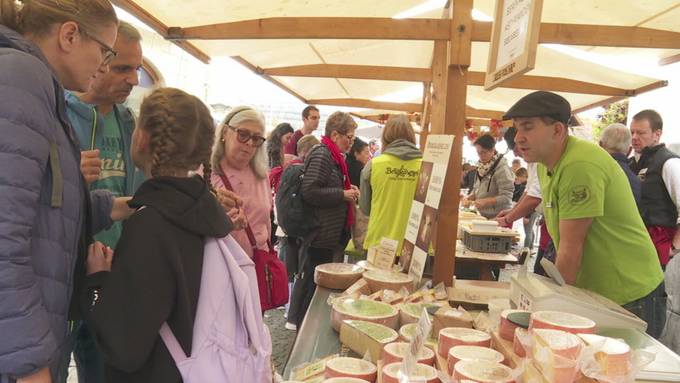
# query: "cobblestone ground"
[[282, 342], [282, 339]]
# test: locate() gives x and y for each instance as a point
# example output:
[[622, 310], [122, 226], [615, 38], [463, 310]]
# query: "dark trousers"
[[89, 362], [651, 309], [304, 286]]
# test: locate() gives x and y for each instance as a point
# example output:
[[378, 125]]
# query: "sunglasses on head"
[[243, 136]]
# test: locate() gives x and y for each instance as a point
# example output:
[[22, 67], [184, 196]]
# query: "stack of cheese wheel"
[[613, 355], [337, 276], [506, 330], [458, 353], [461, 336], [423, 373], [345, 380], [363, 309], [482, 371], [345, 367], [555, 353], [395, 352], [557, 320], [387, 280], [517, 345]]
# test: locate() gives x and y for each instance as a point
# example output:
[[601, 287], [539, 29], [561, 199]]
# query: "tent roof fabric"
[[657, 14]]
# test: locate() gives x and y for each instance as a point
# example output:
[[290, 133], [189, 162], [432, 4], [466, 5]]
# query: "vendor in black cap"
[[602, 244]]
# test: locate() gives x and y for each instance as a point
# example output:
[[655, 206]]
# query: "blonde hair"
[[236, 117], [398, 127], [340, 122], [36, 17], [305, 144], [181, 129]]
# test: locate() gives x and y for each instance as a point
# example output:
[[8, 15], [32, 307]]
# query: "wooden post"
[[425, 117], [439, 65], [459, 50]]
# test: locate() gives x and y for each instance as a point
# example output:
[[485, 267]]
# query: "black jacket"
[[323, 189], [155, 278], [656, 205]]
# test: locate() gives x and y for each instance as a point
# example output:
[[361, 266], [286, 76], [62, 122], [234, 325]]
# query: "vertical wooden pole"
[[439, 71], [425, 117], [459, 52]]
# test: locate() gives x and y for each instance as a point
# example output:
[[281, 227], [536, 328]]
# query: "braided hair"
[[182, 132]]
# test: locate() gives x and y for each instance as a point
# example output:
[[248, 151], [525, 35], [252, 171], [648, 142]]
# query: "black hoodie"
[[155, 277]]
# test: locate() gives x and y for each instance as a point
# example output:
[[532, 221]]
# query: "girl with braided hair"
[[156, 274]]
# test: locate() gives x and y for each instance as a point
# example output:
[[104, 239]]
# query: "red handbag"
[[272, 276]]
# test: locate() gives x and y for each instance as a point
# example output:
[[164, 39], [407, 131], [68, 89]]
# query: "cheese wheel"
[[411, 312], [337, 276], [506, 330], [557, 320], [483, 371], [345, 380], [555, 353], [363, 309], [368, 266], [345, 367], [386, 280], [395, 352], [458, 353], [461, 336], [517, 345], [423, 373], [613, 355]]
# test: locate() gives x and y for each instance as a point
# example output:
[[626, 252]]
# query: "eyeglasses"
[[350, 137], [108, 52], [243, 136]]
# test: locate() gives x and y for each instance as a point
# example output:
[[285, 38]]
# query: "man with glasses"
[[310, 121], [104, 128]]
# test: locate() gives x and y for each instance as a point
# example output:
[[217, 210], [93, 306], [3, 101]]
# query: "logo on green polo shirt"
[[579, 194]]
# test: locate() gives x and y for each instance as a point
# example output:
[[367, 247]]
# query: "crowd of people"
[[104, 243]]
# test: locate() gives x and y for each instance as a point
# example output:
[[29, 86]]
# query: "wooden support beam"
[[274, 81], [425, 117], [376, 28], [484, 113], [456, 94], [554, 84], [366, 72], [160, 28], [370, 72], [370, 104], [669, 60], [439, 68], [373, 28], [593, 35], [610, 100]]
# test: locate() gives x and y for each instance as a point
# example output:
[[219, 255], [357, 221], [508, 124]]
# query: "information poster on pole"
[[425, 206], [514, 40]]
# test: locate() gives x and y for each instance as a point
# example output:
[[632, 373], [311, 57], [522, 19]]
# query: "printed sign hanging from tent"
[[425, 206]]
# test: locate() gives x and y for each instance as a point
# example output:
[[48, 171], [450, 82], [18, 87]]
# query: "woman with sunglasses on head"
[[240, 158], [49, 216]]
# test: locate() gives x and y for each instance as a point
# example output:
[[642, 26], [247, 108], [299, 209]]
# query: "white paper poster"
[[514, 31], [424, 209]]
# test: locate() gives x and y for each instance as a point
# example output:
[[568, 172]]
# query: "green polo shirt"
[[619, 259]]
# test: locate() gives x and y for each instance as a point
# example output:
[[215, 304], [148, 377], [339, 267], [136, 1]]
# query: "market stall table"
[[315, 338], [486, 261]]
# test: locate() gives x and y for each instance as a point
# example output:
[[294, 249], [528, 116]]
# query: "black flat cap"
[[541, 104]]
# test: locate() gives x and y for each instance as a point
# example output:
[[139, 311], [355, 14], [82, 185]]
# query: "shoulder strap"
[[249, 231], [172, 344]]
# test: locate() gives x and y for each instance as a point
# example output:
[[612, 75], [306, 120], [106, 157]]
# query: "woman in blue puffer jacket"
[[47, 216]]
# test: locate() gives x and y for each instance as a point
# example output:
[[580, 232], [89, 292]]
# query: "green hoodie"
[[388, 184]]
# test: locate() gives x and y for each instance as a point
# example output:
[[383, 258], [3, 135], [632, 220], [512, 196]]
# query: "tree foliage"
[[613, 113]]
